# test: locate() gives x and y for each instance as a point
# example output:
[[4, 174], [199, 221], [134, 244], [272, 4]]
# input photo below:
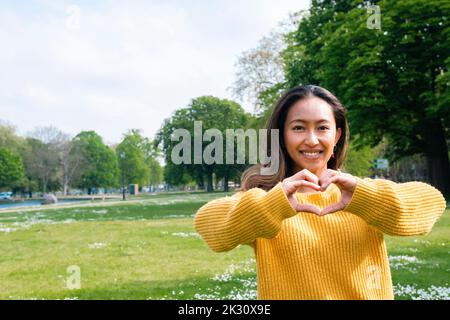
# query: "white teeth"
[[310, 154]]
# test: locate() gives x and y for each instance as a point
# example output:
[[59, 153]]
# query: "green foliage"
[[220, 114], [131, 154], [41, 164], [156, 171], [359, 161], [442, 101], [11, 168], [9, 139], [102, 170], [177, 175]]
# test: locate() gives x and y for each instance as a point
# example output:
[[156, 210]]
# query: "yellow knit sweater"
[[338, 256]]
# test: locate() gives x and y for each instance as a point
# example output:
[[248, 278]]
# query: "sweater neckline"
[[318, 196]]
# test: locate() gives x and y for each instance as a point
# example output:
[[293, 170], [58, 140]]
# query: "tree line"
[[48, 160]]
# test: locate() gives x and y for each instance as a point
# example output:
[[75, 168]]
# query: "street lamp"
[[122, 156]]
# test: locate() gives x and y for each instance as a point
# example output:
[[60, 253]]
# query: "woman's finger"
[[304, 183], [325, 179], [333, 208], [342, 181], [305, 175], [307, 208]]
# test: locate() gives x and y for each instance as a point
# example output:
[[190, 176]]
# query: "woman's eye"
[[323, 128], [297, 128]]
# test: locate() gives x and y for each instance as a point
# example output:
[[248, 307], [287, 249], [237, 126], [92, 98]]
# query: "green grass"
[[139, 260], [148, 249], [432, 260]]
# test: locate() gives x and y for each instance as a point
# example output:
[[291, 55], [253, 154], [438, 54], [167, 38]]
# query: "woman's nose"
[[311, 139]]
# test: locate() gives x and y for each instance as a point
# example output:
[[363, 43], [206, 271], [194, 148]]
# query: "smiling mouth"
[[311, 154]]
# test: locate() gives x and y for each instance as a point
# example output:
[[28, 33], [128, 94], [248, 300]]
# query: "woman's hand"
[[345, 182], [291, 184]]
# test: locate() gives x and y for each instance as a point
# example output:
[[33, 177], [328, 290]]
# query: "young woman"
[[317, 233]]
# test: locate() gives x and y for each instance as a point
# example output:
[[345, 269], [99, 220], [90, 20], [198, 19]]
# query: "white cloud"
[[128, 65]]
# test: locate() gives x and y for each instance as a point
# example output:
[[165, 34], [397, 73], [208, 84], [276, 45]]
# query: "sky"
[[110, 66]]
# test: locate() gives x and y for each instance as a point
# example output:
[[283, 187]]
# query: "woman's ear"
[[338, 135]]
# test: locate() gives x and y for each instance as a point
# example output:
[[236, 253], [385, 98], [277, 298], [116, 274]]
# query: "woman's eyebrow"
[[305, 121]]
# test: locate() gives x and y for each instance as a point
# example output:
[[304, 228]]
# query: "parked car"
[[5, 195]]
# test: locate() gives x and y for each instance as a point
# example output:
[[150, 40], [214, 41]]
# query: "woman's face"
[[310, 134]]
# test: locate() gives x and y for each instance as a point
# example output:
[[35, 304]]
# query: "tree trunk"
[[44, 186], [209, 187], [225, 182], [65, 189], [200, 181], [437, 159], [438, 168]]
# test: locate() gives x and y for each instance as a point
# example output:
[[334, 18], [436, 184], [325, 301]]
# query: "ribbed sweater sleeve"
[[227, 222], [401, 209]]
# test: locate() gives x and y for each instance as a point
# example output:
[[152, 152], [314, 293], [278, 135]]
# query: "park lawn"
[[148, 249], [420, 265], [117, 259], [137, 250]]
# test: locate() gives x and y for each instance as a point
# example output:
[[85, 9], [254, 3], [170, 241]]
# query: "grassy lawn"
[[421, 265], [148, 249]]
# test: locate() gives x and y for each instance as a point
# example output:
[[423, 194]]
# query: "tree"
[[214, 113], [152, 155], [8, 137], [11, 168], [41, 162], [49, 135], [260, 70], [30, 182], [73, 162], [48, 157], [176, 175], [68, 154], [131, 154], [10, 141], [359, 162], [156, 172], [299, 58], [102, 168]]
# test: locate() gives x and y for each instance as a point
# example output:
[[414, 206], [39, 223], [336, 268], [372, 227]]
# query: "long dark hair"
[[252, 178]]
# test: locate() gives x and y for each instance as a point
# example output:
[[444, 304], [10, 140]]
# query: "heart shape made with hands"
[[345, 182]]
